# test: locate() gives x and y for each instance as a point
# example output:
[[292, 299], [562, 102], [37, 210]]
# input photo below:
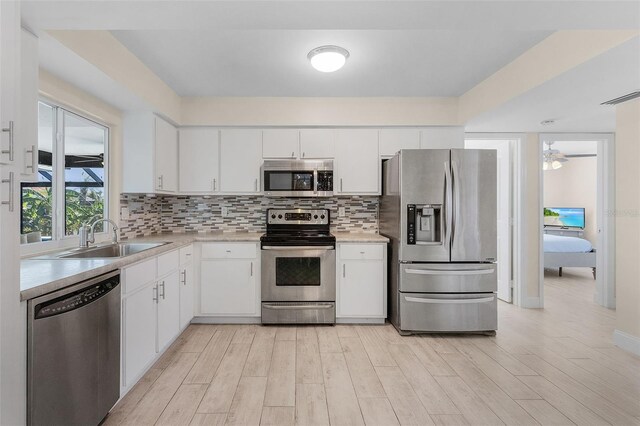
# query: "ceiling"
[[398, 48]]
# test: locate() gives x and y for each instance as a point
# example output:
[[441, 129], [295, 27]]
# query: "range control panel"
[[298, 216]]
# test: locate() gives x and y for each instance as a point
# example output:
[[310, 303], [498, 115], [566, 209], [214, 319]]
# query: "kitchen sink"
[[104, 251]]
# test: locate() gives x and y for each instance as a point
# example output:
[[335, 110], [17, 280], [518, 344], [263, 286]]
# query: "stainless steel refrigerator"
[[438, 208]]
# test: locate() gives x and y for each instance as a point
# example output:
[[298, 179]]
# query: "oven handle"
[[283, 307], [298, 247]]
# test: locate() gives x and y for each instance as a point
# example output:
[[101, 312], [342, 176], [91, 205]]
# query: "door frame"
[[518, 213], [605, 204]]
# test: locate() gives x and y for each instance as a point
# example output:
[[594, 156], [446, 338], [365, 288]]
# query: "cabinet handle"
[[184, 276], [340, 184], [11, 133], [302, 154], [344, 270], [214, 184], [10, 181], [251, 268], [255, 184], [155, 293], [162, 285], [160, 181], [33, 151], [293, 154]]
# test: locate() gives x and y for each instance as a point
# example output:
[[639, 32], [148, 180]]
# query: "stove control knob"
[[273, 216], [315, 216], [279, 216], [321, 216]]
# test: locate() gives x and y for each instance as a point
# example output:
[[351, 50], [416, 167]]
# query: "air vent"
[[624, 98]]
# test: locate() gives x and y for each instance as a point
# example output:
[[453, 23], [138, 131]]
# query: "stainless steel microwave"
[[298, 178]]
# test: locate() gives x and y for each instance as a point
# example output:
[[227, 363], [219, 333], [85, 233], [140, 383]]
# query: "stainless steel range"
[[298, 268]]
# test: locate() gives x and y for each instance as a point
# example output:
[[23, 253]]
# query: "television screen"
[[566, 217]]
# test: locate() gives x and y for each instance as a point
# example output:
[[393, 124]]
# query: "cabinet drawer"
[[138, 275], [361, 251], [168, 262], [186, 254], [229, 251]]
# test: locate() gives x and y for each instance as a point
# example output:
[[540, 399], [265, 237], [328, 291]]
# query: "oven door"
[[298, 274], [294, 183]]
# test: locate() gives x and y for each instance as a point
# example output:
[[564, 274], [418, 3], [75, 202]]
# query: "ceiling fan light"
[[555, 165], [545, 166], [328, 58]]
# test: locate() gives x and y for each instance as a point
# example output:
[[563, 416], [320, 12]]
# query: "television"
[[564, 217]]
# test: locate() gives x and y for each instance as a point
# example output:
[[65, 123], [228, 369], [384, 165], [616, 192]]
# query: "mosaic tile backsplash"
[[155, 214]]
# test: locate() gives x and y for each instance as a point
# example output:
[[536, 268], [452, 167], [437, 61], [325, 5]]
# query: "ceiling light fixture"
[[328, 58], [552, 158]]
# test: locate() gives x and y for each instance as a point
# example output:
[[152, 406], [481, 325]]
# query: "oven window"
[[289, 181], [297, 271]]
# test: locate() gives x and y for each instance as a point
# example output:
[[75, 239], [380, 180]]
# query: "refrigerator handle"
[[455, 199], [448, 196]]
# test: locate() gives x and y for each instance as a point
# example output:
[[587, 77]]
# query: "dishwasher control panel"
[[75, 300]]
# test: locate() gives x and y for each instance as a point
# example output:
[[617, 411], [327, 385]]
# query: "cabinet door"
[[166, 151], [9, 81], [198, 152], [317, 143], [361, 289], [358, 163], [240, 160], [29, 105], [442, 138], [228, 287], [186, 295], [139, 331], [168, 309], [280, 143], [393, 140]]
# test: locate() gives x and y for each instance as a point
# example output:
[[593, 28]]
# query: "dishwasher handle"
[[89, 292]]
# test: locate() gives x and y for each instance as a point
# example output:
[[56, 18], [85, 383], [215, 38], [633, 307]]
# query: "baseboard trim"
[[348, 320], [226, 320], [627, 341]]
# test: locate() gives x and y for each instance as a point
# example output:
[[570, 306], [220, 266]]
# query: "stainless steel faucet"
[[87, 232]]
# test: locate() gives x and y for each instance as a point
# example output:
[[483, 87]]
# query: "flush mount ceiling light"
[[328, 58]]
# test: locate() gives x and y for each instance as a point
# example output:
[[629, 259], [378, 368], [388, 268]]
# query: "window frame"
[[58, 183]]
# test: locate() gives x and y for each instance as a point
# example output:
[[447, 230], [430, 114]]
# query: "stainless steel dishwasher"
[[74, 353]]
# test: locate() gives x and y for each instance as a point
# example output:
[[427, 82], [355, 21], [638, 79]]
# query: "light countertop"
[[42, 276]]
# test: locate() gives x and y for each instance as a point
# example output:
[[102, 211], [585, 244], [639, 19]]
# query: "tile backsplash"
[[155, 214]]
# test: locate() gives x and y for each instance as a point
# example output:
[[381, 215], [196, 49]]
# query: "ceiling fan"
[[552, 158]]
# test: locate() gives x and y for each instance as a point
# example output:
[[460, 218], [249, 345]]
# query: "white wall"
[[574, 185]]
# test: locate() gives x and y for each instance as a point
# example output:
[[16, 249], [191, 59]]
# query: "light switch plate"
[[124, 213]]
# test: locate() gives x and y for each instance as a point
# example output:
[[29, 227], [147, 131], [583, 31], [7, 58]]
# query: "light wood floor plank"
[[377, 412], [150, 407], [246, 408], [285, 333], [489, 392], [434, 399], [403, 399], [471, 406], [375, 347], [219, 395], [308, 366], [364, 378], [344, 330], [259, 358], [281, 383], [328, 339], [208, 419], [311, 405], [183, 405], [210, 358], [342, 402], [278, 416], [503, 358], [544, 413], [119, 413], [245, 333], [620, 382], [429, 358], [449, 419], [198, 338]]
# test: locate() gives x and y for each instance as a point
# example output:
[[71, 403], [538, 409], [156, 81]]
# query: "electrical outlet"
[[342, 212], [225, 212]]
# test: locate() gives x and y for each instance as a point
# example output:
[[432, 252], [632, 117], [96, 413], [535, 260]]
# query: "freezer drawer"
[[448, 277], [448, 312]]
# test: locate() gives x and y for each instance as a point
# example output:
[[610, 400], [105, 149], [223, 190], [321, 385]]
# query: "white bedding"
[[561, 244]]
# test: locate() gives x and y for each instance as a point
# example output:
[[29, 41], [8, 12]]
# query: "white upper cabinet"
[[199, 162], [442, 137], [393, 140], [317, 143], [166, 156], [280, 143], [150, 154], [29, 105], [9, 82], [240, 160], [357, 161]]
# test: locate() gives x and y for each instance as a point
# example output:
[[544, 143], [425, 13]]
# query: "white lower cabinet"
[[139, 340], [361, 283], [168, 309], [229, 280], [187, 286]]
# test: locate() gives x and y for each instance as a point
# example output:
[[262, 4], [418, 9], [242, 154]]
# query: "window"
[[72, 177]]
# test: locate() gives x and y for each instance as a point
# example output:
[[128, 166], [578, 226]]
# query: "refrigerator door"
[[448, 277], [474, 228], [448, 312], [423, 205]]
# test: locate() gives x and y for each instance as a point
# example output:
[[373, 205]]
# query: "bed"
[[561, 251]]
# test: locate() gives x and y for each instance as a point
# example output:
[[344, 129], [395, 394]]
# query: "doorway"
[[578, 157]]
